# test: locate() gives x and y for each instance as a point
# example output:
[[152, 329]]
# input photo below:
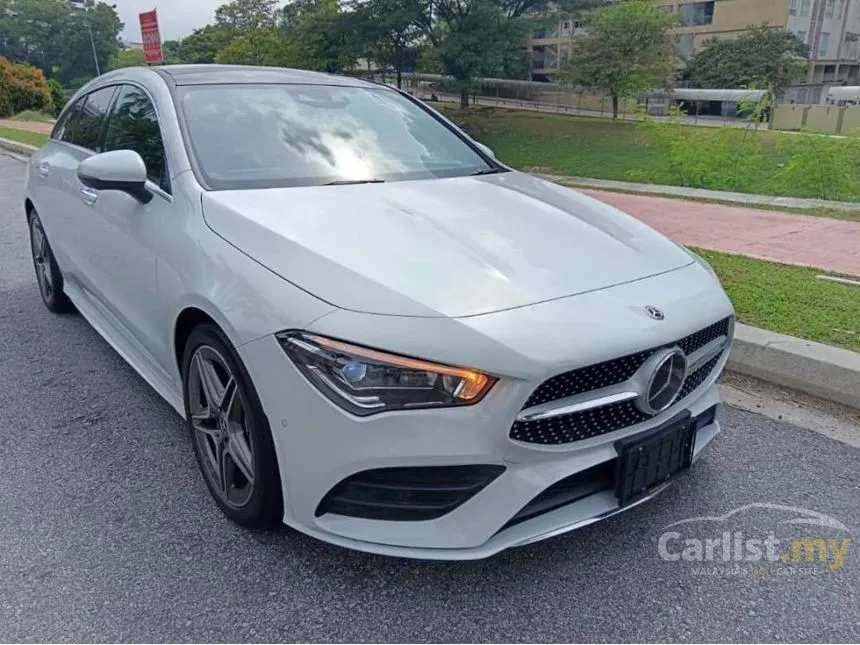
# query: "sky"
[[176, 18]]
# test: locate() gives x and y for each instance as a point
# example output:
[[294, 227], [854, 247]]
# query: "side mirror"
[[486, 149], [122, 170]]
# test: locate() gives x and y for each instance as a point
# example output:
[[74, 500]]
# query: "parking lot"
[[107, 532]]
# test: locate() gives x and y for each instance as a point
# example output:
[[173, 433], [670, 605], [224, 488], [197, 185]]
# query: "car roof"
[[215, 74]]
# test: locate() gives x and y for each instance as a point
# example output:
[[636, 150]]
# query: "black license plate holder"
[[647, 462]]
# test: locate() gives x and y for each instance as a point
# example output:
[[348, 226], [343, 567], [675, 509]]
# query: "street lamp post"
[[93, 43]]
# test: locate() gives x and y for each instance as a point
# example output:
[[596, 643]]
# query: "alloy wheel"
[[220, 418], [41, 260]]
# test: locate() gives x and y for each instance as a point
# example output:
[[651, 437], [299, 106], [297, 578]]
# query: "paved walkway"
[[30, 126], [829, 244]]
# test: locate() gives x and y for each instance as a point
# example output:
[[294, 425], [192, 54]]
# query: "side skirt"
[[124, 344]]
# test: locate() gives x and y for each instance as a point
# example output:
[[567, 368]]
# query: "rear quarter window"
[[60, 125]]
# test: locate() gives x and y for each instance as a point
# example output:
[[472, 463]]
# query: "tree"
[[476, 38], [244, 16], [293, 12], [473, 38], [30, 31], [104, 23], [312, 34], [762, 57], [128, 58], [262, 46], [390, 31], [53, 36], [321, 37], [172, 51], [204, 44], [428, 60], [628, 49]]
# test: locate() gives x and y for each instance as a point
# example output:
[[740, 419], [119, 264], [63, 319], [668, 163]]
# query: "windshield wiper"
[[345, 182], [487, 171]]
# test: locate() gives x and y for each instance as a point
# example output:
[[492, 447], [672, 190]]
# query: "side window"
[[64, 127], [134, 126], [85, 127]]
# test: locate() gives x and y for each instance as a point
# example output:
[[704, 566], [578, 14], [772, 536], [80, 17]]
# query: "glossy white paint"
[[505, 273], [117, 166], [445, 247]]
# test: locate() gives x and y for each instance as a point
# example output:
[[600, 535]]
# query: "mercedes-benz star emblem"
[[667, 371], [655, 313]]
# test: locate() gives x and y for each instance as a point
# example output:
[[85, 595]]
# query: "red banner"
[[151, 37]]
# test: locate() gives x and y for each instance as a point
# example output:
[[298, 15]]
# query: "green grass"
[[623, 150], [790, 300], [830, 213], [30, 115], [22, 136], [565, 145]]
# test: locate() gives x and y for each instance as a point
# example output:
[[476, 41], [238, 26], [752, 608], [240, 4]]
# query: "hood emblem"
[[654, 313]]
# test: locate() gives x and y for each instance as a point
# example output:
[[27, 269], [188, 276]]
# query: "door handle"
[[43, 169], [89, 196]]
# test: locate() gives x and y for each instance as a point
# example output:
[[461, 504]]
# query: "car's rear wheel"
[[48, 274], [229, 431]]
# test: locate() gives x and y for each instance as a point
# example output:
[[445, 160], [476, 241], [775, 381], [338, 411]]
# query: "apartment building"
[[701, 21], [550, 45], [830, 27]]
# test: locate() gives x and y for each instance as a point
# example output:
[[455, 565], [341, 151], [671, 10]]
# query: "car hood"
[[444, 247]]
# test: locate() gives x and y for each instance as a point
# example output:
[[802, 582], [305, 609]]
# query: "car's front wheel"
[[48, 274], [229, 431]]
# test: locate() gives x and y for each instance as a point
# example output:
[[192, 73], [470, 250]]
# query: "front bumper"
[[319, 445]]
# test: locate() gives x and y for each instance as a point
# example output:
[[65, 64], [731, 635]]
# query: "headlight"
[[366, 381]]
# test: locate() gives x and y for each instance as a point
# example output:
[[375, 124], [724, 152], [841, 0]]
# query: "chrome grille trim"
[[580, 402], [706, 353], [629, 389], [586, 414]]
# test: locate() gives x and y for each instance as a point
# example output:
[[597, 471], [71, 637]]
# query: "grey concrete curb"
[[819, 370], [17, 148]]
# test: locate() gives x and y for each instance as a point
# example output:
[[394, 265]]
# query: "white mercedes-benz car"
[[377, 333]]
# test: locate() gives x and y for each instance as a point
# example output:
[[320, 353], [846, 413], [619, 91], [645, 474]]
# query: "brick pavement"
[[825, 243]]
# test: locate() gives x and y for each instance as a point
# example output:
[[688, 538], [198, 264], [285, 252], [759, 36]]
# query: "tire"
[[229, 431], [48, 275]]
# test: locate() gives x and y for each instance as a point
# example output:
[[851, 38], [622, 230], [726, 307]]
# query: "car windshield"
[[266, 136]]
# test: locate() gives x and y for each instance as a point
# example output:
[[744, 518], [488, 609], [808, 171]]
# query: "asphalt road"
[[108, 534]]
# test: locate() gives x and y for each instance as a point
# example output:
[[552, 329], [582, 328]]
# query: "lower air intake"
[[566, 491], [407, 494]]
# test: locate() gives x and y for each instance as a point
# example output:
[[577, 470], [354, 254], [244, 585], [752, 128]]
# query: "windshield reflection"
[[260, 136]]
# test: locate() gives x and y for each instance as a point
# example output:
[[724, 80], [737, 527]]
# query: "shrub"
[[22, 87], [5, 107], [825, 166], [58, 96], [32, 115], [721, 159]]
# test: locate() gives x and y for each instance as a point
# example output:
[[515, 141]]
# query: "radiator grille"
[[616, 370], [597, 421]]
